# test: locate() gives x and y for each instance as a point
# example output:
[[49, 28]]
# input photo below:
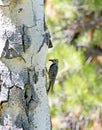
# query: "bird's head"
[[55, 61]]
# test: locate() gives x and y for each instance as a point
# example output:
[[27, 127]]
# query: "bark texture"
[[23, 98]]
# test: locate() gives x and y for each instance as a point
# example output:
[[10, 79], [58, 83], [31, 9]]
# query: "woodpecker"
[[53, 70]]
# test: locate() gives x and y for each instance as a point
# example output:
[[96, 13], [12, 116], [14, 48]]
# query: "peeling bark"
[[23, 98]]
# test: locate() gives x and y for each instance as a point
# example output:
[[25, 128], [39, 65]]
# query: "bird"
[[52, 73]]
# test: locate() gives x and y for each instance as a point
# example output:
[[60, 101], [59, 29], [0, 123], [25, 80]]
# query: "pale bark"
[[23, 98]]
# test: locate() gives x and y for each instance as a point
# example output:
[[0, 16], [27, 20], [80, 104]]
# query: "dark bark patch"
[[28, 93], [35, 77], [44, 71], [18, 121], [20, 10]]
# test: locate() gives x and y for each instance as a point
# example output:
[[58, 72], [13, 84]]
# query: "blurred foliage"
[[97, 37], [78, 82]]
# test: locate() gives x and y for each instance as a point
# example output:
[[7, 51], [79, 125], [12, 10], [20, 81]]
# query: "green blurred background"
[[75, 26]]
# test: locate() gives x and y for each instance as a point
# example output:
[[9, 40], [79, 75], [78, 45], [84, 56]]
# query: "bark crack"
[[34, 16], [30, 96], [5, 101], [46, 39]]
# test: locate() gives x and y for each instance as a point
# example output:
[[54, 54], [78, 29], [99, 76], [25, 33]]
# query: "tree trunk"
[[23, 98]]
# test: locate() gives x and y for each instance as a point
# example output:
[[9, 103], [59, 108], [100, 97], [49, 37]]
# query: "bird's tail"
[[51, 84]]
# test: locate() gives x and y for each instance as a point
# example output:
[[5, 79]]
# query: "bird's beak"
[[50, 60]]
